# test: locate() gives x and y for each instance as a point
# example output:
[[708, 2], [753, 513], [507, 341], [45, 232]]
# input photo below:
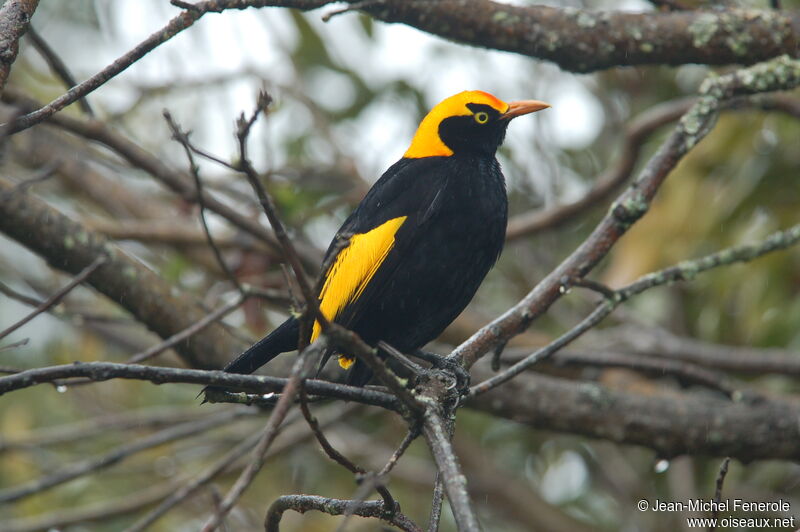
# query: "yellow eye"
[[481, 117]]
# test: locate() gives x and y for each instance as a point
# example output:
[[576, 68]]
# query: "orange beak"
[[523, 107]]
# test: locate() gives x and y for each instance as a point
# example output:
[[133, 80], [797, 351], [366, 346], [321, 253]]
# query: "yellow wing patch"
[[353, 269], [426, 141]]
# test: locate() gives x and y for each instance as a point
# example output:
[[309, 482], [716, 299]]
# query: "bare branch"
[[723, 472], [335, 455], [311, 301], [685, 372], [189, 331], [636, 132], [103, 371], [180, 183], [58, 66], [455, 484], [436, 503], [671, 424], [90, 465], [300, 369], [136, 419], [95, 512], [779, 74], [15, 17], [67, 245], [684, 271], [179, 23], [58, 296], [304, 503], [183, 138], [732, 358], [582, 40], [330, 415]]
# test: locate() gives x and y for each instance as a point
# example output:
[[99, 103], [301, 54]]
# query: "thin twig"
[[58, 66], [685, 372], [58, 296], [131, 420], [331, 415], [14, 345], [103, 371], [685, 270], [723, 472], [91, 465], [437, 501], [299, 371], [183, 138], [411, 435], [311, 301], [95, 512], [338, 457], [188, 332]]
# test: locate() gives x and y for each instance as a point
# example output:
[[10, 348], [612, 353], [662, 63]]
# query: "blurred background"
[[348, 94]]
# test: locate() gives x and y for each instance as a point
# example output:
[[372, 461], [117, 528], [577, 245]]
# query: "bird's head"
[[467, 122]]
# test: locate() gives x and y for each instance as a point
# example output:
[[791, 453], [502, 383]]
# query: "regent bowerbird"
[[420, 242]]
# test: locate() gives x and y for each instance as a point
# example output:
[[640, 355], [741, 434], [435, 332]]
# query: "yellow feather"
[[426, 141], [346, 362], [351, 272]]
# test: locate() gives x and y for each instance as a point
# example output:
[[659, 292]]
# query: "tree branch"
[[305, 503], [68, 246], [58, 296], [582, 40], [103, 371], [434, 427], [671, 424], [178, 182], [90, 465], [779, 74], [15, 17], [58, 66], [331, 415], [686, 270], [732, 358], [302, 365]]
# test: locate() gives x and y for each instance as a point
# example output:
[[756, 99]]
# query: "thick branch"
[[15, 17], [730, 358], [68, 246], [669, 423], [582, 40]]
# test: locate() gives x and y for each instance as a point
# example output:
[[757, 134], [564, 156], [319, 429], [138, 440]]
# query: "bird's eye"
[[481, 117]]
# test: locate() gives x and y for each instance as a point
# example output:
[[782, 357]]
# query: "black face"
[[480, 133]]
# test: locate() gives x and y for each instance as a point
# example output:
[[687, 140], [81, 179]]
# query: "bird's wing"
[[398, 200]]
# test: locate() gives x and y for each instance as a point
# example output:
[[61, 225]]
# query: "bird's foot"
[[441, 363]]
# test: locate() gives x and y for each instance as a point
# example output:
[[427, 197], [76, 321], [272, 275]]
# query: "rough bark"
[[70, 247]]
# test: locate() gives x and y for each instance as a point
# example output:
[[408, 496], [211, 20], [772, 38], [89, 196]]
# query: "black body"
[[456, 210]]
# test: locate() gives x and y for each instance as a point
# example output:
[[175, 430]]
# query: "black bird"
[[423, 238]]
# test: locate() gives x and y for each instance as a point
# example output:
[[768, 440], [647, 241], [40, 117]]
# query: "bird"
[[414, 251]]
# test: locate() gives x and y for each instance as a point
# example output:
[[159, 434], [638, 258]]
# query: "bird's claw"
[[447, 368]]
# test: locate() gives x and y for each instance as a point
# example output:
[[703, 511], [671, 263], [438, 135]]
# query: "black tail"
[[281, 340]]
